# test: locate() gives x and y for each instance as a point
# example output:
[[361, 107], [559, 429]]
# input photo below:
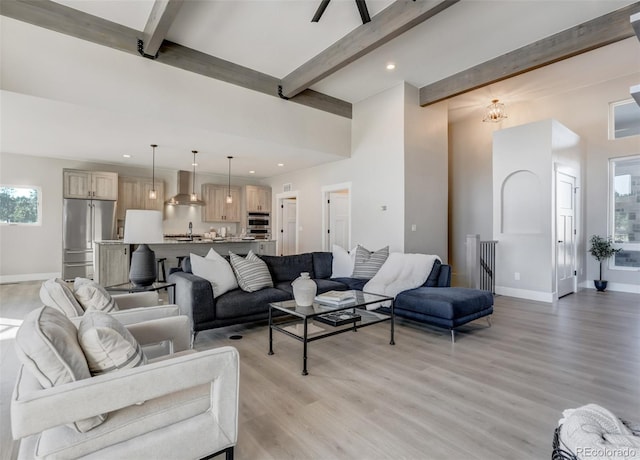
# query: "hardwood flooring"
[[497, 393]]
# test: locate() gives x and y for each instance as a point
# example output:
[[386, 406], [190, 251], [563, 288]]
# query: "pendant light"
[[194, 196], [229, 197], [152, 193], [495, 112]]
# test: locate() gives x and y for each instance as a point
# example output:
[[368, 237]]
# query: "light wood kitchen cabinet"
[[216, 208], [133, 193], [111, 264], [258, 198], [90, 184]]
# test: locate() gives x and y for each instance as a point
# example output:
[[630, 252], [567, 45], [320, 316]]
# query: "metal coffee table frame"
[[307, 314]]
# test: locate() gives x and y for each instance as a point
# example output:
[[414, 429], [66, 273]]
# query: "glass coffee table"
[[321, 320]]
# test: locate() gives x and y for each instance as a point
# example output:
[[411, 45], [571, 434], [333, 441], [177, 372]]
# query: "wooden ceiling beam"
[[160, 19], [635, 22], [391, 22], [54, 16], [584, 37]]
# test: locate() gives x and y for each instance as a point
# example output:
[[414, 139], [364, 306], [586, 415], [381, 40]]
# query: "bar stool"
[[161, 269], [180, 260]]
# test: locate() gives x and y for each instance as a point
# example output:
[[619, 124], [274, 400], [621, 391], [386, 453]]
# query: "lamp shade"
[[143, 227]]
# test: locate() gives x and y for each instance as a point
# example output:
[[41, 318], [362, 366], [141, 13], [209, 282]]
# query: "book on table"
[[339, 318], [336, 297]]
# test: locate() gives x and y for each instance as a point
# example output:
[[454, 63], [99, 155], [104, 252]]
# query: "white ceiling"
[[91, 102]]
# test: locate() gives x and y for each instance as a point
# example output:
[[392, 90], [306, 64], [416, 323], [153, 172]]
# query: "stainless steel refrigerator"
[[83, 222]]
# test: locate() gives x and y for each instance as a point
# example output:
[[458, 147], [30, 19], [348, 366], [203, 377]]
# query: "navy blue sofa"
[[433, 303]]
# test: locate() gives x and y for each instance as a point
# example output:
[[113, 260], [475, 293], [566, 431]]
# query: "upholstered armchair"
[[180, 406]]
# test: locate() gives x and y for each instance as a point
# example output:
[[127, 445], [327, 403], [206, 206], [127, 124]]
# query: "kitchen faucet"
[[190, 232]]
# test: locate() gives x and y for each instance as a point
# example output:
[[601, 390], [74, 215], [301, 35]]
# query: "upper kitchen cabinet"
[[90, 184], [258, 198], [133, 193], [216, 208]]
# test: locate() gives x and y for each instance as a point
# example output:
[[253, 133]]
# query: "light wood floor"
[[497, 393]]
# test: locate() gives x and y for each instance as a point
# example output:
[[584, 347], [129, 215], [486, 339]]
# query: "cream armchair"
[[181, 406]]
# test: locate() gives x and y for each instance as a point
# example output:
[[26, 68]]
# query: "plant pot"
[[600, 285]]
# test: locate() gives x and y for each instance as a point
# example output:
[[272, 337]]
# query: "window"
[[624, 119], [625, 204], [20, 205]]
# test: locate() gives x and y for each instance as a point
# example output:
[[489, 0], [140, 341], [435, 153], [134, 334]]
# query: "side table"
[[130, 287]]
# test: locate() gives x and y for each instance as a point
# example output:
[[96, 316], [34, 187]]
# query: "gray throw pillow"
[[92, 296], [252, 272], [368, 263]]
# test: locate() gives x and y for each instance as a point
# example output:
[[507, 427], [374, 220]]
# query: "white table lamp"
[[142, 228]]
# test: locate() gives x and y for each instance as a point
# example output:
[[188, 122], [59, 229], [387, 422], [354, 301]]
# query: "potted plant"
[[601, 248]]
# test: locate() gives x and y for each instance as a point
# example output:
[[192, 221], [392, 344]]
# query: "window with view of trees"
[[20, 205], [625, 206]]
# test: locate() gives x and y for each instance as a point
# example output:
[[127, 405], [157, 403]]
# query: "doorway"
[[337, 216], [287, 225], [566, 233]]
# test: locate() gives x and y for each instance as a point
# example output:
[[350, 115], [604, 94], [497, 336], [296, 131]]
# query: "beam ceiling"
[[588, 36], [60, 18], [155, 31], [391, 22]]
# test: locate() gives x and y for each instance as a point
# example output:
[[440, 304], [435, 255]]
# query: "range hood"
[[183, 198]]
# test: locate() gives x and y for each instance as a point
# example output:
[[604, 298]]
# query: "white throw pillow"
[[252, 272], [92, 296], [56, 294], [343, 262], [107, 344], [215, 269], [47, 345]]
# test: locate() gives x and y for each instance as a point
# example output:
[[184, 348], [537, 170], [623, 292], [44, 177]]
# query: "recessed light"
[[391, 66], [126, 156], [194, 164], [252, 172], [280, 164]]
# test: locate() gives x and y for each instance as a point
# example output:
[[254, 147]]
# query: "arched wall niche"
[[521, 203]]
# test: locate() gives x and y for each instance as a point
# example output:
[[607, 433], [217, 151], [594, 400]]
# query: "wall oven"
[[259, 225]]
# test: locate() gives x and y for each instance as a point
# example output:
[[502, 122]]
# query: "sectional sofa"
[[434, 303]]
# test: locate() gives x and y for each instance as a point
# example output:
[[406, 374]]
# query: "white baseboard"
[[617, 287], [5, 279], [525, 294]]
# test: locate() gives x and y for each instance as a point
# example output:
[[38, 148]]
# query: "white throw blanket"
[[593, 432], [399, 273]]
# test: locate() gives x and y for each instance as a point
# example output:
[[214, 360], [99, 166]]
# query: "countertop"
[[194, 241]]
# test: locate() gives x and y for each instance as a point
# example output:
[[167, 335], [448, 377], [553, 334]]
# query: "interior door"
[[565, 233], [289, 223], [339, 221]]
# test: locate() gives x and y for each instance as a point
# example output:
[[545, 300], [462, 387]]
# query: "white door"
[[338, 212], [289, 223], [565, 233]]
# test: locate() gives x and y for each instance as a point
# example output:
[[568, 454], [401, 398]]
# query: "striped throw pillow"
[[252, 273], [368, 263], [107, 344]]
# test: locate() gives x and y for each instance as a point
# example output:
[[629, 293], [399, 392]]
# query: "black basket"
[[560, 450]]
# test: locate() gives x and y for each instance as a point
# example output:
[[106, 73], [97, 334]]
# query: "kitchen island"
[[112, 256]]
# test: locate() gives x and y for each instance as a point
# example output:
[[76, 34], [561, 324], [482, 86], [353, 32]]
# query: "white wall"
[[36, 252], [399, 161], [585, 112], [524, 159]]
